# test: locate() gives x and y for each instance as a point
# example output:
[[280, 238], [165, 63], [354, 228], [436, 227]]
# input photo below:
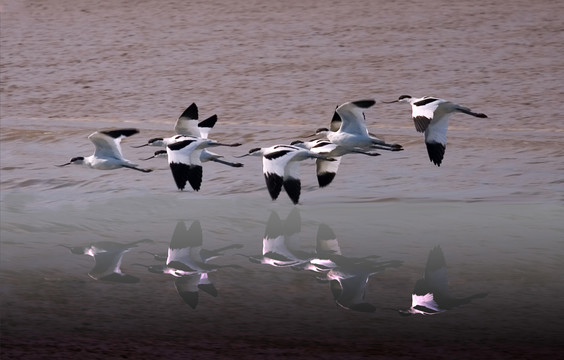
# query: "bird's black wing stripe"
[[276, 154], [121, 132], [181, 144], [364, 103], [424, 101]]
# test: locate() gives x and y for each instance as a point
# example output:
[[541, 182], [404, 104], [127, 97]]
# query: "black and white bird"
[[352, 133], [108, 256], [184, 160], [187, 125], [431, 294], [430, 116], [280, 166], [108, 155], [327, 170]]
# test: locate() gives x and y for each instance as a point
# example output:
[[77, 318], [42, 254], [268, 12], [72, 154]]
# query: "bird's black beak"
[[149, 158], [63, 164], [240, 156], [390, 102], [139, 146]]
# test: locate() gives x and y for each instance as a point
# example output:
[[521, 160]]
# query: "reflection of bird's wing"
[[276, 245], [425, 304], [107, 143], [187, 287], [351, 293], [274, 226], [327, 243], [435, 271], [206, 285], [293, 224], [107, 268]]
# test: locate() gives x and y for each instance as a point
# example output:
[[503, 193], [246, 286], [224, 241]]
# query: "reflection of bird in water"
[[108, 256], [347, 276], [188, 263], [430, 295], [276, 244]]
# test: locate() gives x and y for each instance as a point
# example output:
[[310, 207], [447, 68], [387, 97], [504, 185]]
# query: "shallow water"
[[273, 73]]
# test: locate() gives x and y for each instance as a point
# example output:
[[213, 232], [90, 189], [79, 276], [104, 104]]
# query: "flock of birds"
[[187, 149], [189, 264]]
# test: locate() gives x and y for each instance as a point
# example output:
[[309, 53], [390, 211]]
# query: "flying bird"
[[280, 167], [108, 155], [430, 116], [187, 125], [185, 162], [352, 133]]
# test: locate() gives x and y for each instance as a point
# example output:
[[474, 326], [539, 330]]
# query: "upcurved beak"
[[240, 156], [63, 164], [390, 102], [149, 158], [139, 146]]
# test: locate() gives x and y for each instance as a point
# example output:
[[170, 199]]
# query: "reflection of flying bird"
[[430, 115], [431, 295], [277, 249], [108, 155], [187, 261], [187, 125], [281, 168], [108, 256], [347, 276]]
